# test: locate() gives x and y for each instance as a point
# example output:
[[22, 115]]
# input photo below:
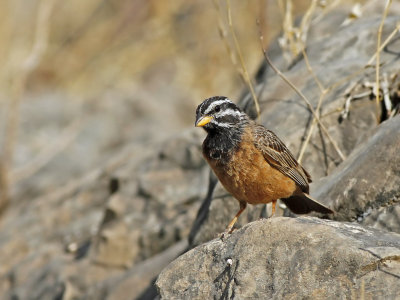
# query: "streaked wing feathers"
[[279, 156]]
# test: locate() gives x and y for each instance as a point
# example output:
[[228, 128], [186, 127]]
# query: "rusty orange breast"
[[249, 177]]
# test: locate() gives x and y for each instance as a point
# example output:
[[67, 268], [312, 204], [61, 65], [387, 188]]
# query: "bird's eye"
[[217, 109]]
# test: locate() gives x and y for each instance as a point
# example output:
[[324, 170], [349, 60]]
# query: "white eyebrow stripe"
[[229, 111], [214, 104]]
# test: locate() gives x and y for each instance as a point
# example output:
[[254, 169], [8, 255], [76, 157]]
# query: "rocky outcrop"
[[286, 258], [367, 184]]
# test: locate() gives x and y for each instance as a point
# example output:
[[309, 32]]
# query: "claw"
[[226, 233]]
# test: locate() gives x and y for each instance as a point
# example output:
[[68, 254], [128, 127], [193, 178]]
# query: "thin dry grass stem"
[[325, 10], [311, 129], [223, 36], [306, 142], [17, 90], [305, 23], [325, 91], [310, 69], [383, 45], [378, 46], [302, 96], [361, 70], [239, 53], [294, 38], [288, 42], [344, 79], [367, 65], [370, 61], [288, 26], [320, 100]]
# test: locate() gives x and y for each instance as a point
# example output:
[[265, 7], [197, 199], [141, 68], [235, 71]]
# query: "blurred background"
[[78, 79], [83, 81]]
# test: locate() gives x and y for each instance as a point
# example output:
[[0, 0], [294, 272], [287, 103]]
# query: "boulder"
[[288, 258], [367, 183]]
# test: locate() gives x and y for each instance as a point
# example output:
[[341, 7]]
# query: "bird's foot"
[[226, 233], [223, 235]]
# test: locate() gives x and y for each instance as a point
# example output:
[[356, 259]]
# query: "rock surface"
[[368, 182], [112, 228], [286, 258]]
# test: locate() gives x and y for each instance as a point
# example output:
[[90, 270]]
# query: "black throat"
[[221, 143]]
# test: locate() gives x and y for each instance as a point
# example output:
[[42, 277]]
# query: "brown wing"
[[279, 157]]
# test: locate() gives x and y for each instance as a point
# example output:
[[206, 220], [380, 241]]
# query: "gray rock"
[[133, 282], [368, 182], [113, 246], [43, 282], [286, 258], [78, 236], [185, 149], [387, 218]]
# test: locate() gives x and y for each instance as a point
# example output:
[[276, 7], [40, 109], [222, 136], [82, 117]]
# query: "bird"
[[251, 162]]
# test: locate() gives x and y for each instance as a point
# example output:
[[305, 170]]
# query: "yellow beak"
[[203, 121]]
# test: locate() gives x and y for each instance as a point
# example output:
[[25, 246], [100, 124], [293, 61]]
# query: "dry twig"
[[361, 70], [294, 38], [223, 36], [242, 70], [239, 53], [331, 140], [378, 46], [309, 68], [384, 44], [322, 96]]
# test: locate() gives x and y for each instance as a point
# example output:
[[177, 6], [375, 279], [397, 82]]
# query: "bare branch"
[[239, 52], [378, 45], [302, 96]]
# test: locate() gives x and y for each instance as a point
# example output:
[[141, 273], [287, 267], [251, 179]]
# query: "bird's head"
[[217, 113]]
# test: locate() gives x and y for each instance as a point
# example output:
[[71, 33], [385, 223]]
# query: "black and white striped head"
[[218, 113]]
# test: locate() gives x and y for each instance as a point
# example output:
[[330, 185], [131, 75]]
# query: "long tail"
[[303, 204]]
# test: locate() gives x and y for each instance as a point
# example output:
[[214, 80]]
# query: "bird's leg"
[[273, 208], [230, 226]]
